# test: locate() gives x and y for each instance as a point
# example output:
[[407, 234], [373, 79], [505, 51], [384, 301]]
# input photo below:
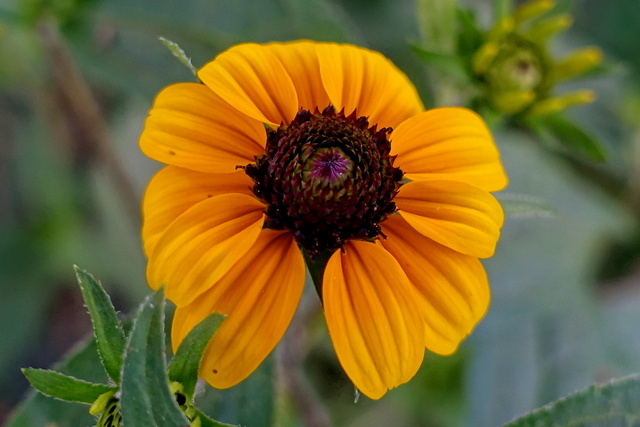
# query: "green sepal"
[[613, 404], [110, 338], [557, 130], [524, 205], [64, 387], [316, 268], [450, 65], [179, 53], [146, 398], [185, 364]]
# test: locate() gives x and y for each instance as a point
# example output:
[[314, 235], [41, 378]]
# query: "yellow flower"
[[287, 151]]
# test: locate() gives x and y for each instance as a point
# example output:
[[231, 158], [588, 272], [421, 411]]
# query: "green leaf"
[[65, 387], [107, 329], [558, 130], [38, 410], [524, 205], [185, 365], [146, 397], [470, 37], [614, 403], [208, 422], [450, 65], [179, 53]]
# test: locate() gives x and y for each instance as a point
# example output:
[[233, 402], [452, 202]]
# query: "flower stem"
[[290, 357], [437, 24]]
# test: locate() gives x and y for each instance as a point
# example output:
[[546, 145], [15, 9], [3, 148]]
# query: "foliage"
[[615, 403], [141, 390]]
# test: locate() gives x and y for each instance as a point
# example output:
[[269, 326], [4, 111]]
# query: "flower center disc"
[[327, 178]]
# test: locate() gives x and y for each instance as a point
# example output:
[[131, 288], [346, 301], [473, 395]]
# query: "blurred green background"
[[77, 78]]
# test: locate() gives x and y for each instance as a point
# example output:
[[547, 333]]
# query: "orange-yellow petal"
[[301, 62], [453, 213], [453, 287], [260, 295], [373, 318], [191, 127], [173, 190], [252, 79], [355, 77], [448, 143], [202, 244]]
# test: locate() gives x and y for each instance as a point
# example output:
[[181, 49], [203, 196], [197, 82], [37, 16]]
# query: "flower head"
[[517, 69], [320, 151]]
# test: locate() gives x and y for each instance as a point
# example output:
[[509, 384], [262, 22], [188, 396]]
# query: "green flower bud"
[[519, 66], [515, 67]]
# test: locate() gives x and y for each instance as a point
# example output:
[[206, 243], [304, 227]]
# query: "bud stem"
[[502, 9]]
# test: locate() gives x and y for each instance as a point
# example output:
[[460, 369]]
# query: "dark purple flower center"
[[327, 178], [329, 165]]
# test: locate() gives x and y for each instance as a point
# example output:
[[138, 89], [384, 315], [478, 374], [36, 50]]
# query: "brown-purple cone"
[[327, 178]]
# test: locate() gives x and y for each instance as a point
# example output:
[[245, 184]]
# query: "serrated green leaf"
[[615, 403], [64, 387], [146, 397], [107, 328], [523, 205], [185, 365], [451, 65], [556, 129], [179, 53], [38, 410]]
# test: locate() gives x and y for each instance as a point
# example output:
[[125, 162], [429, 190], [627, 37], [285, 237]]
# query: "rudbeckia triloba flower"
[[322, 152]]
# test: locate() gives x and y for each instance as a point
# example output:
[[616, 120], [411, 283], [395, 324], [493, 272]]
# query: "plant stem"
[[290, 357], [501, 9], [84, 112]]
